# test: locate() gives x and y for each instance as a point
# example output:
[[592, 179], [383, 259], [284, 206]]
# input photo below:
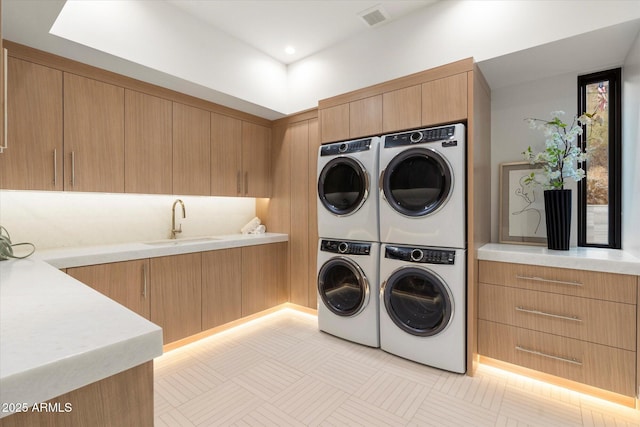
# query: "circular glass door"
[[418, 301], [343, 287], [417, 182], [343, 186]]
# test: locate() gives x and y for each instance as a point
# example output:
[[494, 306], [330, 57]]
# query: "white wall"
[[444, 32], [631, 150], [511, 135], [67, 219]]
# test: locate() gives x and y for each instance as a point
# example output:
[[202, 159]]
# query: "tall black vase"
[[557, 212]]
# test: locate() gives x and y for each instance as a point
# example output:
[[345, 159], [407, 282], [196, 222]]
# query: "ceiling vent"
[[374, 16]]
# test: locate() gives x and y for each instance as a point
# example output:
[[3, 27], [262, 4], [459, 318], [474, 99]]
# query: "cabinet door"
[[334, 123], [401, 109], [126, 283], [226, 156], [93, 135], [221, 287], [444, 100], [33, 160], [191, 150], [256, 160], [176, 295], [299, 234], [147, 139], [264, 277], [314, 143], [365, 117]]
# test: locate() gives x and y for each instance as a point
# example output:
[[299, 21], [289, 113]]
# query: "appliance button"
[[416, 255], [343, 147], [416, 136], [343, 247]]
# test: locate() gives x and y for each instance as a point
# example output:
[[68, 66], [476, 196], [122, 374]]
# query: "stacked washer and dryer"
[[392, 250]]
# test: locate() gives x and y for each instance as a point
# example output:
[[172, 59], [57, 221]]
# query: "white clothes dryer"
[[422, 187], [423, 305], [348, 288], [347, 199]]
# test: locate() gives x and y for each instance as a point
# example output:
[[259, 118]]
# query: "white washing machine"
[[348, 299], [422, 187], [423, 305], [347, 190]]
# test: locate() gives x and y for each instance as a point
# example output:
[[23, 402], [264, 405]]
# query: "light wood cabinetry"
[[334, 123], [93, 135], [256, 165], [226, 156], [444, 100], [574, 324], [126, 282], [365, 117], [221, 287], [312, 241], [148, 144], [191, 150], [123, 399], [2, 86], [176, 299], [401, 109], [34, 134], [264, 277]]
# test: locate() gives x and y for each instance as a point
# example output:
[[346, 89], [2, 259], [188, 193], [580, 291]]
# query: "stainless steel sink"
[[181, 241]]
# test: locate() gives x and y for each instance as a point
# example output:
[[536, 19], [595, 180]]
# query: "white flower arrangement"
[[560, 157]]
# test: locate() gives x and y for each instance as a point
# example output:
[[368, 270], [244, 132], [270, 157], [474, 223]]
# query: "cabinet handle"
[[5, 54], [246, 183], [73, 168], [239, 183], [540, 279], [144, 281], [555, 316], [55, 167], [573, 361]]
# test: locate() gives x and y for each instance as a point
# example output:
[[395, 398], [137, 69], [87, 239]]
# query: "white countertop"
[[579, 258], [57, 334]]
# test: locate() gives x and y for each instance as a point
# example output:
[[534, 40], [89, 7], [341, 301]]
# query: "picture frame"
[[521, 206]]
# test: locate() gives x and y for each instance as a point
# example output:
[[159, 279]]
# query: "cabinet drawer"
[[602, 322], [589, 284], [593, 364]]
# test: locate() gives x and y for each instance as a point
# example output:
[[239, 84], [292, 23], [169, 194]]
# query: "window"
[[599, 194]]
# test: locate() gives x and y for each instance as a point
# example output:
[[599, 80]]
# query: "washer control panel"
[[445, 134], [347, 147], [345, 248], [421, 255]]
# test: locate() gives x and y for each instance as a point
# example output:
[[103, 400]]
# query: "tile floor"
[[281, 371]]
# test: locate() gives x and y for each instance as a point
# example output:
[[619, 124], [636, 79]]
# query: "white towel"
[[251, 226]]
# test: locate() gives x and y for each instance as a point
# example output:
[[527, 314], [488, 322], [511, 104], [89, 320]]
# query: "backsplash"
[[67, 219]]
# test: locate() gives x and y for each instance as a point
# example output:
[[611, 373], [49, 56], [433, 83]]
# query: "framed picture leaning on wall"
[[521, 206]]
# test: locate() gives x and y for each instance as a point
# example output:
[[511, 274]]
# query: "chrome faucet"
[[173, 218]]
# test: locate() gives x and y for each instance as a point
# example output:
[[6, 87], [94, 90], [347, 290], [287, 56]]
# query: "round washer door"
[[343, 287], [343, 186], [418, 301], [417, 182]]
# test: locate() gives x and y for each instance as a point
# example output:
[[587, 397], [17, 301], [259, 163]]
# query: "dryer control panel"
[[345, 248], [446, 134], [347, 147], [421, 255]]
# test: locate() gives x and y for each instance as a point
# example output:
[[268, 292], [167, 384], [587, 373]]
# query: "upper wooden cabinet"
[[191, 150], [93, 135], [125, 282], [33, 160], [365, 116], [444, 100], [401, 109], [335, 123], [256, 160], [226, 155], [148, 144]]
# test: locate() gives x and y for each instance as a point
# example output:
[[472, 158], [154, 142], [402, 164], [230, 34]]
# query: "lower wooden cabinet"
[[264, 277], [572, 324], [186, 294], [125, 282], [221, 287]]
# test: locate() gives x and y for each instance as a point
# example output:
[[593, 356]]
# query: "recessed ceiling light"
[[290, 50]]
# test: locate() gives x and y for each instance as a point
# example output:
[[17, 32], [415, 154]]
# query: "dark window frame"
[[614, 76]]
